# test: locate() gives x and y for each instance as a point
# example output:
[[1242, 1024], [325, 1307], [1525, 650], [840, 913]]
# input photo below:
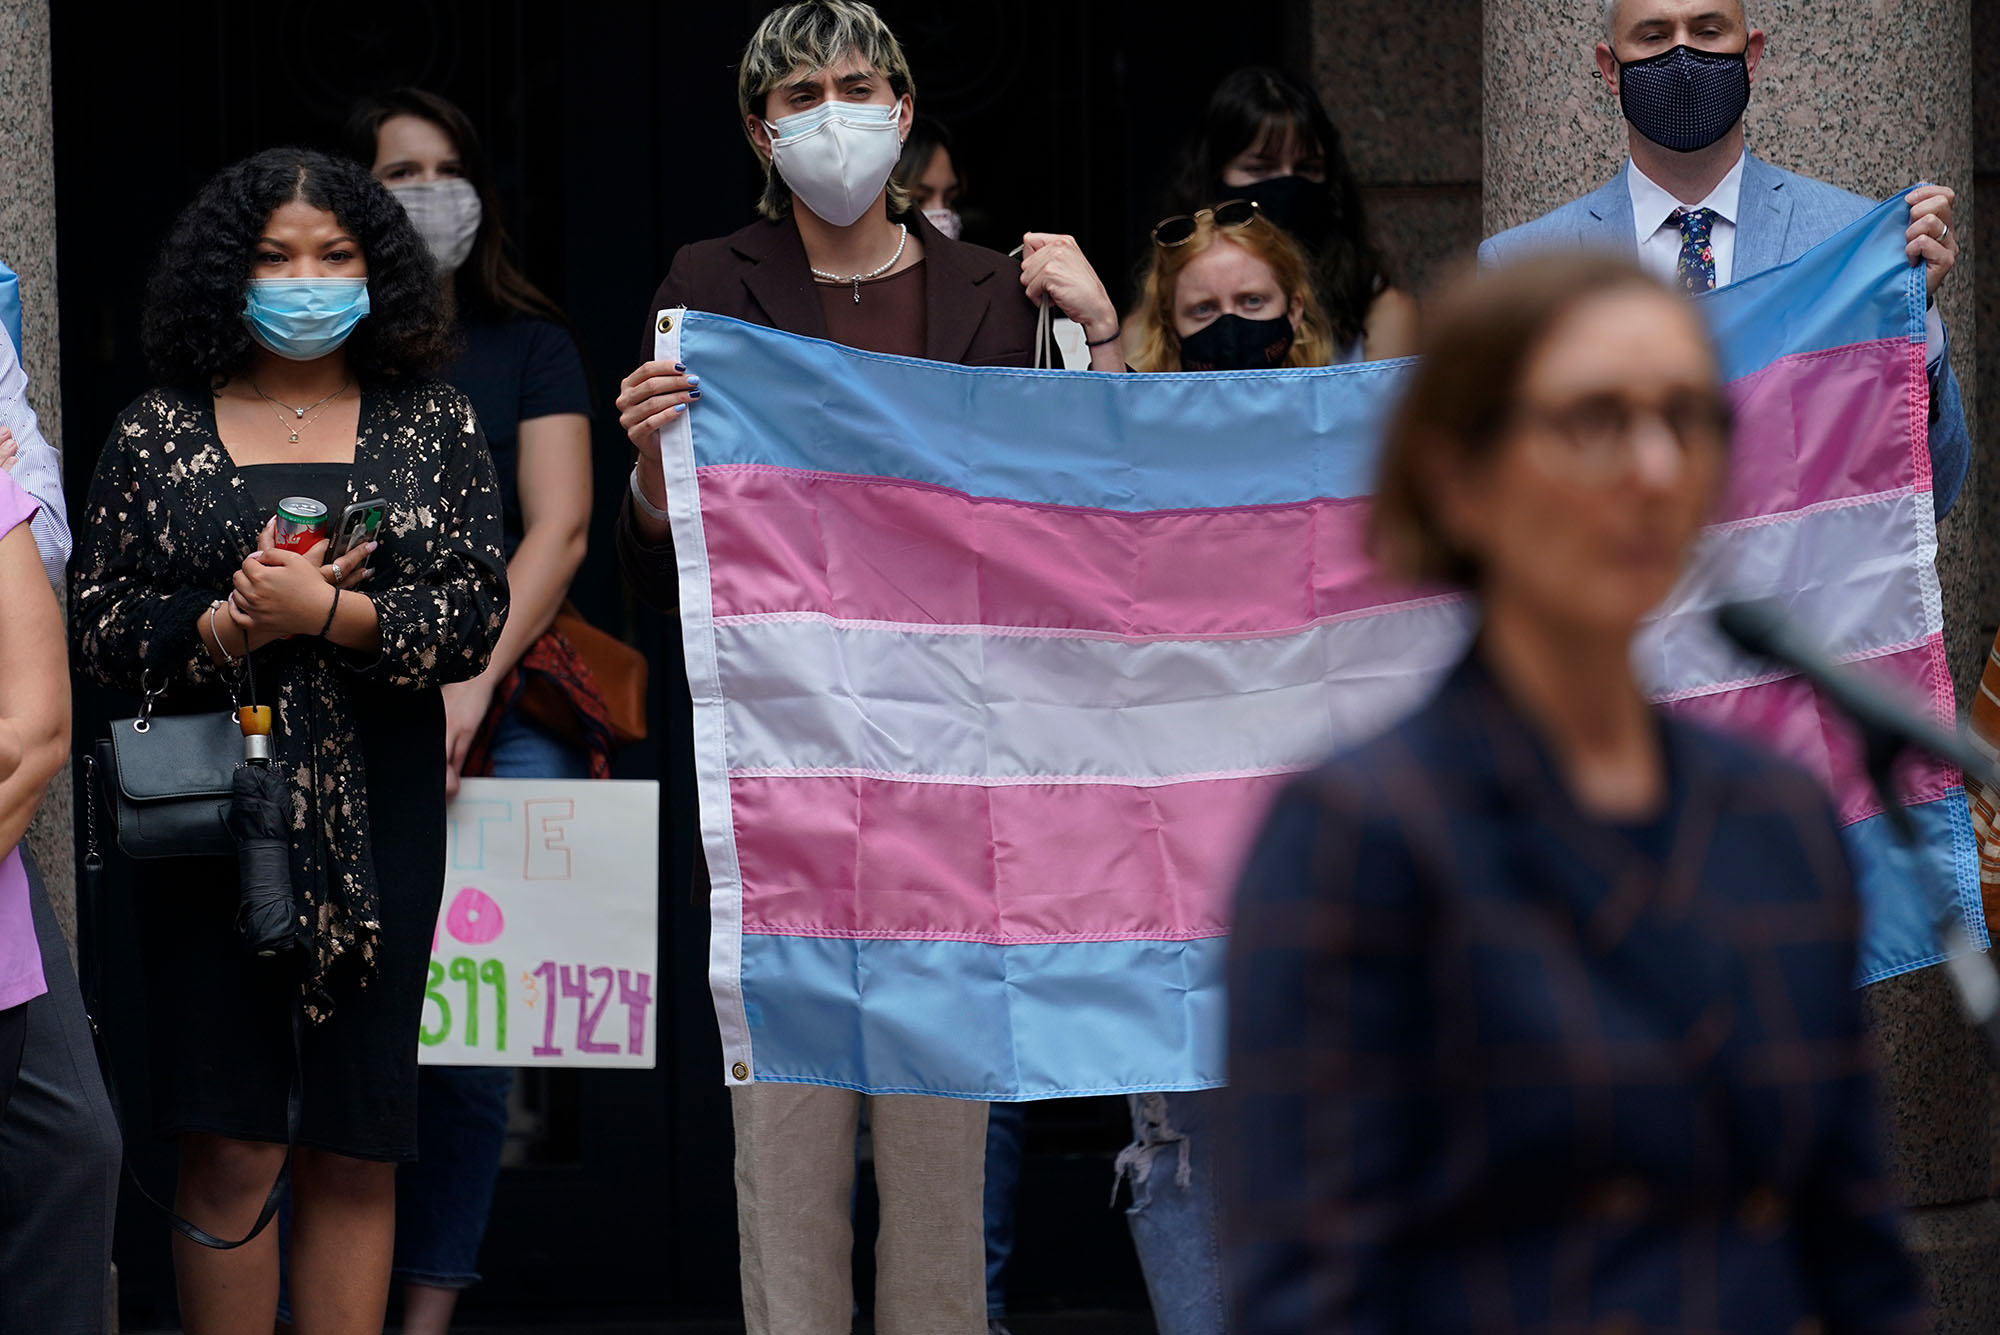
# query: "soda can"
[[301, 522]]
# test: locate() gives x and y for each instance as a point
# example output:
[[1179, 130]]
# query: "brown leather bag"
[[616, 669]]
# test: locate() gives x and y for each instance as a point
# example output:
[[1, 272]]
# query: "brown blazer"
[[975, 314]]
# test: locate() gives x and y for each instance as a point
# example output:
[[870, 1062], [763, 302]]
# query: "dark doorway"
[[613, 126]]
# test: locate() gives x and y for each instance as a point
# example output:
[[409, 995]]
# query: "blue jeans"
[[442, 1199], [1175, 1215], [1003, 1180]]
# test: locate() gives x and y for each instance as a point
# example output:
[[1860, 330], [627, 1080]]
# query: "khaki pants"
[[794, 1210]]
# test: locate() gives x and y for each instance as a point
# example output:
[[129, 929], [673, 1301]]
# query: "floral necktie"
[[1697, 265]]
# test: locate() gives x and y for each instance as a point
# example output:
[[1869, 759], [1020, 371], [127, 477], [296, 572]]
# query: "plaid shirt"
[[1498, 1066]]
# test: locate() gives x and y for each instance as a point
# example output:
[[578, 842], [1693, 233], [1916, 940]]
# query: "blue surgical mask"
[[304, 318]]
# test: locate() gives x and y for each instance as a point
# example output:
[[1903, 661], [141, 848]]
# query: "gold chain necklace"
[[299, 420]]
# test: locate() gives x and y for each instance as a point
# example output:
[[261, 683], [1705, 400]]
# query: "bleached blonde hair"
[[813, 35]]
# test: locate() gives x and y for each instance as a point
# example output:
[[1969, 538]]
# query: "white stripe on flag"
[[821, 695]]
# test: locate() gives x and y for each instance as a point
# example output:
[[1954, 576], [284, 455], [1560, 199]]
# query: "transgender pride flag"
[[995, 671]]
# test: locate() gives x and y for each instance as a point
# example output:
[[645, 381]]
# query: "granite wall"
[[28, 246], [1984, 233], [1401, 81]]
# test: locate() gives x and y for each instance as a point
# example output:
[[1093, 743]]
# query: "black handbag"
[[167, 782], [166, 785]]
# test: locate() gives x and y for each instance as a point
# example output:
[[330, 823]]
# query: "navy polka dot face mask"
[[1685, 99]]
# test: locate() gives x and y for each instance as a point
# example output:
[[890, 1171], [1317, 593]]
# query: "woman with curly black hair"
[[1266, 137], [294, 321]]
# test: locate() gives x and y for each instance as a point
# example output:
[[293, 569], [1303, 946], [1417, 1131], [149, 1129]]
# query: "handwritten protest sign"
[[545, 951]]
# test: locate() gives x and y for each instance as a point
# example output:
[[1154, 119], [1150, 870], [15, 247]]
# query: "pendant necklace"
[[299, 422], [859, 278]]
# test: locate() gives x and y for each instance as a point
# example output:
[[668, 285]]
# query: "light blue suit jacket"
[[1782, 216]]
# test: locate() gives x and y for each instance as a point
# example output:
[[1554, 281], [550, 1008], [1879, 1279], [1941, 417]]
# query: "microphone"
[[1887, 725], [1888, 728]]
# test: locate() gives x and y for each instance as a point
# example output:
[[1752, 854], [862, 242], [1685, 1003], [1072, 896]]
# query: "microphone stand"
[[1885, 735]]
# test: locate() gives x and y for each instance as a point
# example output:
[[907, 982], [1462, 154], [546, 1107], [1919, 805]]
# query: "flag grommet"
[[741, 1070]]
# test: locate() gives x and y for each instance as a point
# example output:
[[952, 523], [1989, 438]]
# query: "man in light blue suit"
[[1699, 211]]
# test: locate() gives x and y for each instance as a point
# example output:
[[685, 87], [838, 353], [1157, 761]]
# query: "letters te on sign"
[[545, 951]]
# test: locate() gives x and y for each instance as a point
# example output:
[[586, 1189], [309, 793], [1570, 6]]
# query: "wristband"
[[333, 607], [1112, 338], [646, 507]]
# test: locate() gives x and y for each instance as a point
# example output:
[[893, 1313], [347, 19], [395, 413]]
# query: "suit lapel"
[[780, 281], [1609, 224], [957, 292], [1766, 216]]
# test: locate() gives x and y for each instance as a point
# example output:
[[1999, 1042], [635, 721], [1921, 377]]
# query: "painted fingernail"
[[694, 394], [679, 367], [680, 407], [694, 380]]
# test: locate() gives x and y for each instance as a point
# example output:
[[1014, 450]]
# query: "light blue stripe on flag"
[[1905, 898], [984, 1021], [1272, 437], [1829, 297], [1115, 442]]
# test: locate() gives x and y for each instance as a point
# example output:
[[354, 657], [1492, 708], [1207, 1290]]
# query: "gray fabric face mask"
[[446, 214]]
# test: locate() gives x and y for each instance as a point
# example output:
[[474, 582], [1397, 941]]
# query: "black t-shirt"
[[514, 371], [272, 484]]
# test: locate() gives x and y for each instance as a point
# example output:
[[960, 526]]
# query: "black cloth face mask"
[[1232, 343], [1299, 206], [1685, 99]]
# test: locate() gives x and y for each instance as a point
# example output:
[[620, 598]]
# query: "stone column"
[[1985, 287], [1872, 98], [1401, 82], [28, 246]]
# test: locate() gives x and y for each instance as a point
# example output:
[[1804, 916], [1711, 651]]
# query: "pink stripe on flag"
[[1814, 428], [1022, 862], [884, 550], [1785, 716], [868, 549]]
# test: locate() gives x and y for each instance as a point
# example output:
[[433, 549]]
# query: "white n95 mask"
[[446, 214], [837, 157]]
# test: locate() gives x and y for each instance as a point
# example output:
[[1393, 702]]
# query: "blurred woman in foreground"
[[1542, 1012]]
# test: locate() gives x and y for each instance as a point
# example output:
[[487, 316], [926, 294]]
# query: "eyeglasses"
[[1180, 229], [1600, 431]]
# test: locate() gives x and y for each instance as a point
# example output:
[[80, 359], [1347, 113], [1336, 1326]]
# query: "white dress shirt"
[[1659, 230], [37, 468], [1659, 237]]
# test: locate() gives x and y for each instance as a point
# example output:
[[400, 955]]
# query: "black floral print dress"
[[168, 521]]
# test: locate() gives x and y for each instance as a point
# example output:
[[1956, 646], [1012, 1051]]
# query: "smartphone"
[[358, 524]]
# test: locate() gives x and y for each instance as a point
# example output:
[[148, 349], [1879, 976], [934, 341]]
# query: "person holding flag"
[[1699, 211], [839, 252]]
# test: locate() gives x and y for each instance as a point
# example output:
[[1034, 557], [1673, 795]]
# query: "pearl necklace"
[[859, 278]]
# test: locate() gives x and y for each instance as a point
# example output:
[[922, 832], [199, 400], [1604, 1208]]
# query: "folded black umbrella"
[[266, 911]]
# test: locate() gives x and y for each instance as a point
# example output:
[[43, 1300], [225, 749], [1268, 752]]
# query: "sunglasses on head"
[[1180, 229]]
